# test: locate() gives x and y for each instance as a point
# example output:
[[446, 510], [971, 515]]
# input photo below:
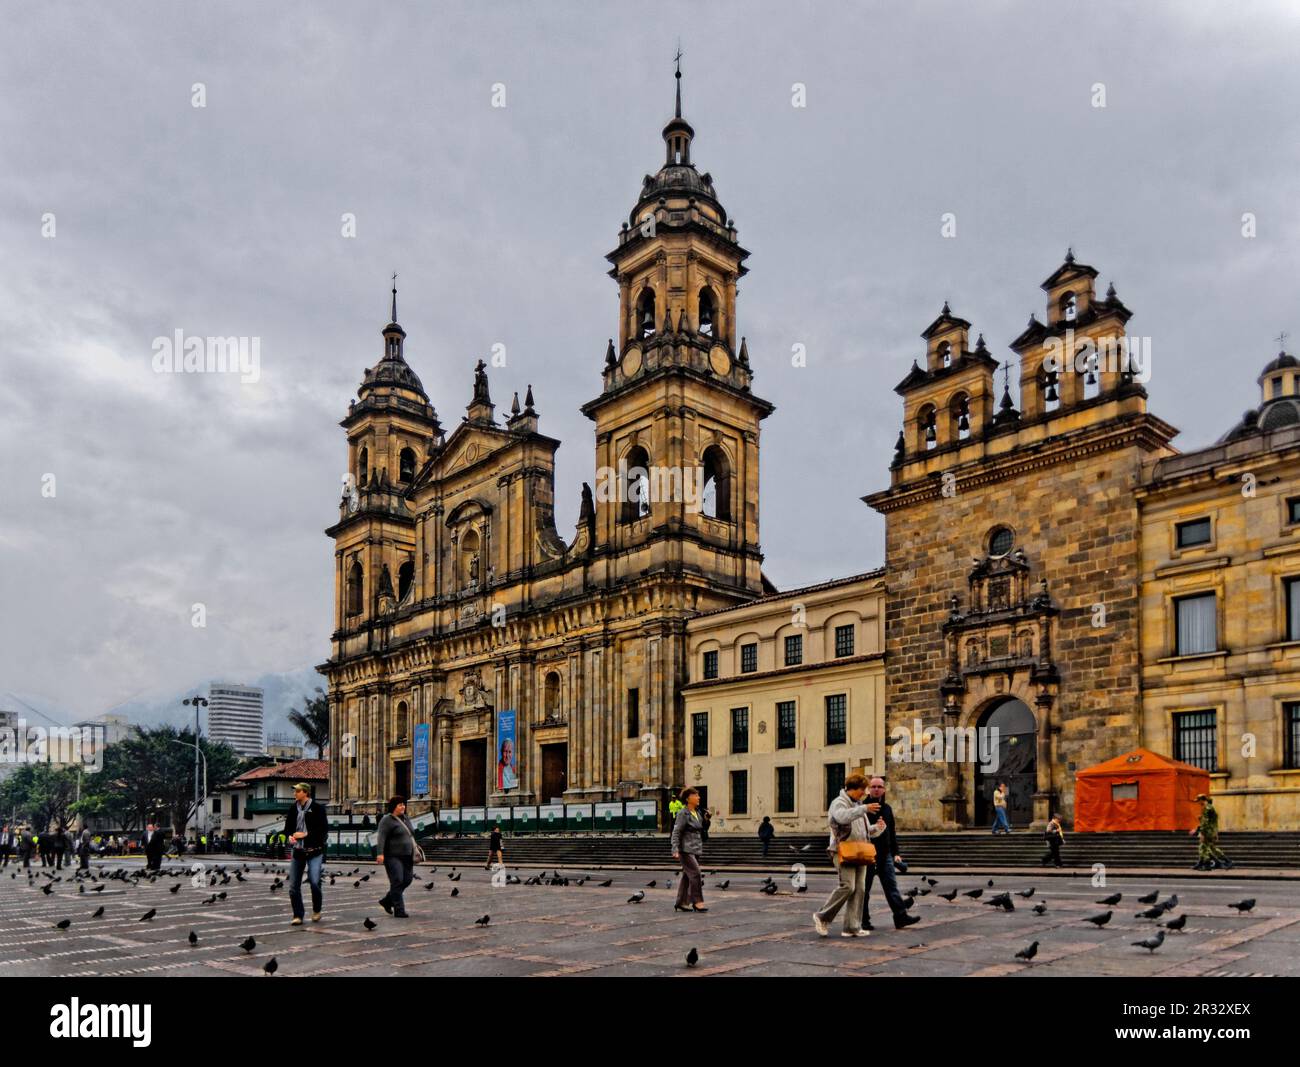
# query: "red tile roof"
[[302, 770]]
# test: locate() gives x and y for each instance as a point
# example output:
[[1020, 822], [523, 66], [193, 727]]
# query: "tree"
[[41, 794], [313, 721]]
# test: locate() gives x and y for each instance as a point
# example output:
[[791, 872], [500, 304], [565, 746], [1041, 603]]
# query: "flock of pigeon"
[[223, 875]]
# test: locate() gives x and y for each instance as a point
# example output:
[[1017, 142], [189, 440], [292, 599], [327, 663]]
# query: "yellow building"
[[786, 697], [1221, 609]]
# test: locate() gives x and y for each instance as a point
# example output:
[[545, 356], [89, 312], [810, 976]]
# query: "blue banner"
[[507, 751], [420, 761]]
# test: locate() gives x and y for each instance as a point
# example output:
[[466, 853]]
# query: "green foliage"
[[39, 794], [313, 721]]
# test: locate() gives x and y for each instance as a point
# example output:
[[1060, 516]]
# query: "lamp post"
[[197, 702]]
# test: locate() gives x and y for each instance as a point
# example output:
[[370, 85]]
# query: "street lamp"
[[197, 702], [204, 756]]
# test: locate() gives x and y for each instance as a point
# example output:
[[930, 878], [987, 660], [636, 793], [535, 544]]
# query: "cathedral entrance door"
[[555, 772], [402, 777], [1017, 763], [473, 773]]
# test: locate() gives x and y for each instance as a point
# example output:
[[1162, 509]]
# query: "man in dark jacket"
[[887, 854], [306, 828], [152, 843]]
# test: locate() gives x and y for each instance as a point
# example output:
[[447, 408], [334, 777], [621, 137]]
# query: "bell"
[[963, 423], [1090, 378], [1051, 394], [930, 436]]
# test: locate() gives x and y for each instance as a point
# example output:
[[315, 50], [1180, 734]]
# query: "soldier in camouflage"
[[1208, 853]]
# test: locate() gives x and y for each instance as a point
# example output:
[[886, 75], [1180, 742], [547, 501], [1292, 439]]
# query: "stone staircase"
[[973, 849]]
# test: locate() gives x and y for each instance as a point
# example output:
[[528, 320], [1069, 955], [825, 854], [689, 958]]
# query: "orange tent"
[[1140, 790]]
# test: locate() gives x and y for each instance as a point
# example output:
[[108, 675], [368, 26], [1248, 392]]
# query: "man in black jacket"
[[307, 828], [887, 854], [152, 843]]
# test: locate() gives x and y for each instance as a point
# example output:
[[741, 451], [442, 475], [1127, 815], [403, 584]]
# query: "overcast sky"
[[172, 490]]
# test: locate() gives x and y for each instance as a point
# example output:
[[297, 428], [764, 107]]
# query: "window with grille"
[[785, 789], [834, 781], [739, 729], [1195, 622], [739, 792], [700, 733], [1191, 534], [1194, 740], [844, 640], [794, 650], [1291, 735], [711, 664], [1293, 505], [837, 726], [785, 724], [748, 658]]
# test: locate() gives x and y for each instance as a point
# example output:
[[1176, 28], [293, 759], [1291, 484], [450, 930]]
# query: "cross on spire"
[[1281, 340], [394, 319], [677, 59]]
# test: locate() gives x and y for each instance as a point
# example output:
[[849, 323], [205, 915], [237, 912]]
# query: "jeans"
[[313, 866], [851, 891], [1000, 820], [689, 888], [883, 869], [401, 872], [1053, 854]]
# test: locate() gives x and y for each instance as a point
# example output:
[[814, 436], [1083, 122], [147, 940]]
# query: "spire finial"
[[1281, 341], [1069, 254], [678, 75]]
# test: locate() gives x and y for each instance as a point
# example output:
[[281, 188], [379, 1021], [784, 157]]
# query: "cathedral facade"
[[479, 657]]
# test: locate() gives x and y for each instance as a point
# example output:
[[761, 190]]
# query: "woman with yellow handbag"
[[851, 852]]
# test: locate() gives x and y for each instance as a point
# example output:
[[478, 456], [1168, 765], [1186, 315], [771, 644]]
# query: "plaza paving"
[[592, 931]]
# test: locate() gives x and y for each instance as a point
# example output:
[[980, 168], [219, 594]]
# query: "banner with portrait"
[[507, 750]]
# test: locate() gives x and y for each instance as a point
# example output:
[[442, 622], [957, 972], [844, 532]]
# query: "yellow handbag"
[[856, 853]]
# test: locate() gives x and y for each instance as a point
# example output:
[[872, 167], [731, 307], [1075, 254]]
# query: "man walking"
[[306, 827], [887, 854], [1000, 809], [151, 841], [766, 832], [6, 845], [1055, 839], [1208, 853], [495, 855], [83, 849]]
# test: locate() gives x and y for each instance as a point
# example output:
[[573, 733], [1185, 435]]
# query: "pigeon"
[[356, 884], [637, 897], [1177, 924], [1151, 943], [932, 882], [148, 915], [98, 889], [454, 877], [1028, 952], [47, 889], [1026, 893], [248, 944], [924, 892], [194, 938], [1150, 913], [974, 894], [1170, 904], [652, 883], [1244, 906], [63, 924], [370, 923], [606, 883], [803, 888], [98, 913], [769, 889], [270, 966], [999, 900], [455, 892], [483, 921], [1099, 920], [949, 896], [175, 889], [692, 958], [1040, 909], [990, 883], [1112, 900], [1150, 898]]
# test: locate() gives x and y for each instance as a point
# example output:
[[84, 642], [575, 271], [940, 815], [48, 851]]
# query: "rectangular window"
[[270, 792], [785, 789], [1124, 791], [1292, 588], [1195, 622], [785, 724], [1293, 507], [634, 713], [844, 640], [1194, 740], [740, 792], [834, 781], [837, 724], [748, 658], [1291, 735], [711, 664], [234, 805], [794, 650], [1191, 534], [739, 729], [700, 733], [216, 805]]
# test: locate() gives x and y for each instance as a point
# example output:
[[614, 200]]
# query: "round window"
[[1000, 541]]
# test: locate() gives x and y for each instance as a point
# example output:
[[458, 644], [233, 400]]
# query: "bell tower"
[[677, 425]]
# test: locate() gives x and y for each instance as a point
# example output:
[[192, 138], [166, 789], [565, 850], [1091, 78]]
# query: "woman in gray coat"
[[688, 843], [396, 849]]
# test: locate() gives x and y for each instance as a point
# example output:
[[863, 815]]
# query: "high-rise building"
[[235, 717]]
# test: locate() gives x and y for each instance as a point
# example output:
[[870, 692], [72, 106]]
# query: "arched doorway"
[[1017, 762]]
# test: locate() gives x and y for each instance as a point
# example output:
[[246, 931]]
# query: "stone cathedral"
[[456, 596]]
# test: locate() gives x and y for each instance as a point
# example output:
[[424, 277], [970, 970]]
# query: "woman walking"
[[851, 850], [688, 843], [396, 849]]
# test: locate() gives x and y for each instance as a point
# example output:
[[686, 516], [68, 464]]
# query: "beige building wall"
[[812, 614]]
